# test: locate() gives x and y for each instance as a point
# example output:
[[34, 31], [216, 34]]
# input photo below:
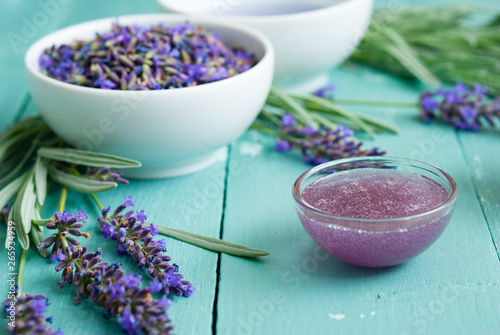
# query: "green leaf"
[[292, 106], [9, 191], [41, 173], [27, 156], [11, 142], [19, 126], [87, 158], [40, 222], [80, 184], [21, 234], [27, 200], [36, 233], [9, 219], [37, 236], [211, 243], [330, 107]]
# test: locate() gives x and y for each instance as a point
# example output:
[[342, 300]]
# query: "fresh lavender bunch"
[[105, 174], [26, 314], [462, 106], [319, 145], [136, 239], [118, 292], [65, 223]]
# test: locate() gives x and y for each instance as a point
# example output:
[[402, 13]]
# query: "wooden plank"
[[21, 26], [192, 203], [482, 154], [449, 289]]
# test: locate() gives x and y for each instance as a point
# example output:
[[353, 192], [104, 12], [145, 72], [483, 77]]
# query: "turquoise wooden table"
[[245, 197]]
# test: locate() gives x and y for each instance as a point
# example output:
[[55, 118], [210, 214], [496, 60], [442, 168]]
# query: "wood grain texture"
[[452, 288], [482, 154]]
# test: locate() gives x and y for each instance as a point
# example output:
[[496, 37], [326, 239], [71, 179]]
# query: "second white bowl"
[[309, 37]]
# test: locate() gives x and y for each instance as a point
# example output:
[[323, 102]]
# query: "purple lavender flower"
[[25, 315], [4, 213], [65, 223], [119, 293], [105, 174], [145, 58], [320, 145], [136, 238], [326, 91], [463, 107]]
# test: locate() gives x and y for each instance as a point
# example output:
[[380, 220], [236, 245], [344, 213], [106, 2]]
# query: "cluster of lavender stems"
[[105, 174], [463, 107], [135, 238], [135, 57], [119, 293], [320, 145], [25, 315]]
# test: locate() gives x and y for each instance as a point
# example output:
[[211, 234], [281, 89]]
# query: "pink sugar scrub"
[[375, 211]]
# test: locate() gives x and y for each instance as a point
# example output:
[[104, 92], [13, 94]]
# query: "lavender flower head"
[[105, 174], [326, 91], [320, 145], [462, 106], [119, 293], [65, 223], [135, 237], [25, 315]]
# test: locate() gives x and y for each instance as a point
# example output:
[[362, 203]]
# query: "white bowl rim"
[[33, 52], [309, 14]]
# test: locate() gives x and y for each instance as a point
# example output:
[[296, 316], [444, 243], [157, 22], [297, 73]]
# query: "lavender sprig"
[[136, 57], [65, 223], [26, 315], [462, 106], [116, 291], [135, 238], [319, 145], [105, 174]]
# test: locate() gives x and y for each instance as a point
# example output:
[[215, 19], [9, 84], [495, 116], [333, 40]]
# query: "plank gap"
[[476, 190], [221, 235], [24, 106]]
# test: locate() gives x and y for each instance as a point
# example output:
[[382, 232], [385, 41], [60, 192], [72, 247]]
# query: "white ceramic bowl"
[[172, 132], [310, 37]]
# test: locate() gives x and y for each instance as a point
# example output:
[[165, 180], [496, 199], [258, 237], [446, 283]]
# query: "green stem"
[[62, 199], [293, 105], [375, 103], [64, 242], [20, 274], [97, 201], [275, 133]]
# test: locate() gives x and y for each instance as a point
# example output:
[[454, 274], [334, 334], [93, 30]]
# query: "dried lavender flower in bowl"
[[181, 92]]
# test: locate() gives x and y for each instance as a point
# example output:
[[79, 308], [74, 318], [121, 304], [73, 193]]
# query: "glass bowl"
[[375, 242]]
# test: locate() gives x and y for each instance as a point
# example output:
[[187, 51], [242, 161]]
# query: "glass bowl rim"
[[449, 201]]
